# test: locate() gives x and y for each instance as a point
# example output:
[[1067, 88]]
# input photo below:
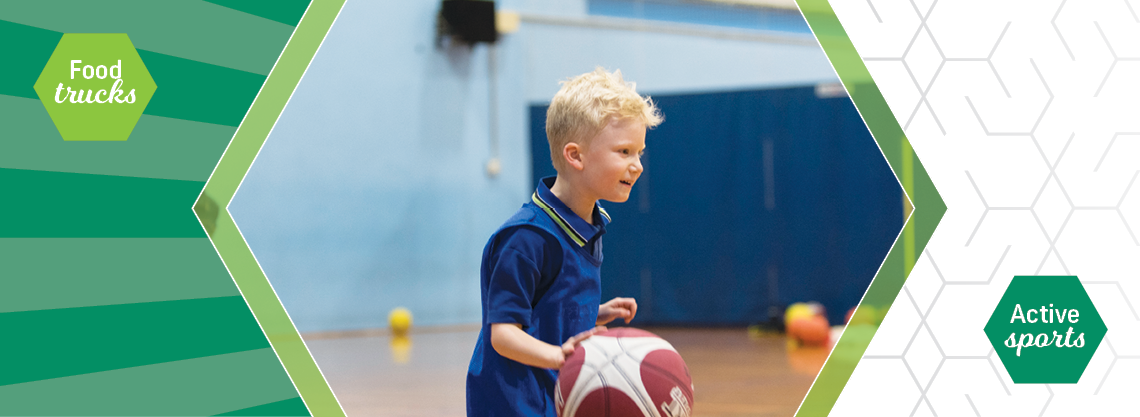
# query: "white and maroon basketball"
[[624, 372]]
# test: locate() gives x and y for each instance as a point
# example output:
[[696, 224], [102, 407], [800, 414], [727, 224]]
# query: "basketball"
[[624, 372]]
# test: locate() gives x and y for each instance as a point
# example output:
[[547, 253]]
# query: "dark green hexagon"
[[1036, 333], [95, 86]]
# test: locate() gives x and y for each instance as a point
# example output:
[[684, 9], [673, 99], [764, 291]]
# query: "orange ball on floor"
[[812, 331]]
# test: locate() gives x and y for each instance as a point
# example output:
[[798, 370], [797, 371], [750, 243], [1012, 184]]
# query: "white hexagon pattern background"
[[1027, 116]]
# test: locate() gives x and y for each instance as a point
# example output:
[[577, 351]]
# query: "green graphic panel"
[[290, 407], [1045, 329], [113, 294], [285, 11], [121, 336], [193, 387], [118, 87], [109, 271], [189, 29], [55, 204], [159, 147], [928, 208]]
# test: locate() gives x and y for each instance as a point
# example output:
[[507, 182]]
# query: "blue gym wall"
[[749, 200], [370, 192]]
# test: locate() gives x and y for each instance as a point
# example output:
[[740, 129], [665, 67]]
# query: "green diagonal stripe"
[[286, 341], [192, 387], [190, 29], [56, 204], [928, 205], [290, 407], [285, 11], [93, 339], [108, 271], [24, 60], [159, 147], [197, 91]]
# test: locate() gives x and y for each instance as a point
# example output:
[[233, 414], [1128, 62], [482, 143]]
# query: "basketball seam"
[[597, 370], [607, 361], [605, 396], [647, 404]]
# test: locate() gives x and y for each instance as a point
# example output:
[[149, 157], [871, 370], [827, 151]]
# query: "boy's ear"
[[572, 153]]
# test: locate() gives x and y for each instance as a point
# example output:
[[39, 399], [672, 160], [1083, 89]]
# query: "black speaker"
[[468, 21]]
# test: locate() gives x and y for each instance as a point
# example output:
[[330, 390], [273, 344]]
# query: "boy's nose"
[[636, 166]]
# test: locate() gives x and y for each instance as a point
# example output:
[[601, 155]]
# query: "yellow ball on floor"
[[400, 320], [798, 311]]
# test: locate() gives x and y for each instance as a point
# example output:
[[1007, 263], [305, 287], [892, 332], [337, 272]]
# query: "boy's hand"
[[571, 343], [624, 308]]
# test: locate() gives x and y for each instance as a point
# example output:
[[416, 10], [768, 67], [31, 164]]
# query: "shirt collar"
[[579, 230]]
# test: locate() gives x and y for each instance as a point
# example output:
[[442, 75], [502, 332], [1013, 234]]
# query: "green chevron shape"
[[235, 252], [927, 207]]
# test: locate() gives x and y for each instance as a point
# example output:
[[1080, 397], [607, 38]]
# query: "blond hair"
[[585, 105]]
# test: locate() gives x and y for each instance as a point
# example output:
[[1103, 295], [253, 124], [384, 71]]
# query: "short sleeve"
[[518, 271]]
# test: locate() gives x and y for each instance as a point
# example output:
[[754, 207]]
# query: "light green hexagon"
[[95, 87]]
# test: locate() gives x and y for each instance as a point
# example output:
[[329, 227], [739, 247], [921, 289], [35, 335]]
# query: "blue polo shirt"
[[541, 269]]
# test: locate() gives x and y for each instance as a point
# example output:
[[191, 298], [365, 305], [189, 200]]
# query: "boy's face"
[[611, 162]]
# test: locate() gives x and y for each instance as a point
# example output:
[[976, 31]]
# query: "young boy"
[[540, 278]]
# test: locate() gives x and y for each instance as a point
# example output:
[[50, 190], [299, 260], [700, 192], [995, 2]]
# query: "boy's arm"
[[523, 257], [513, 343]]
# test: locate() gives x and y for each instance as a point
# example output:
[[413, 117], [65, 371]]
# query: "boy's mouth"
[[627, 183]]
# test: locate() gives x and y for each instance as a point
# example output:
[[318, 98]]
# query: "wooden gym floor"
[[734, 374]]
